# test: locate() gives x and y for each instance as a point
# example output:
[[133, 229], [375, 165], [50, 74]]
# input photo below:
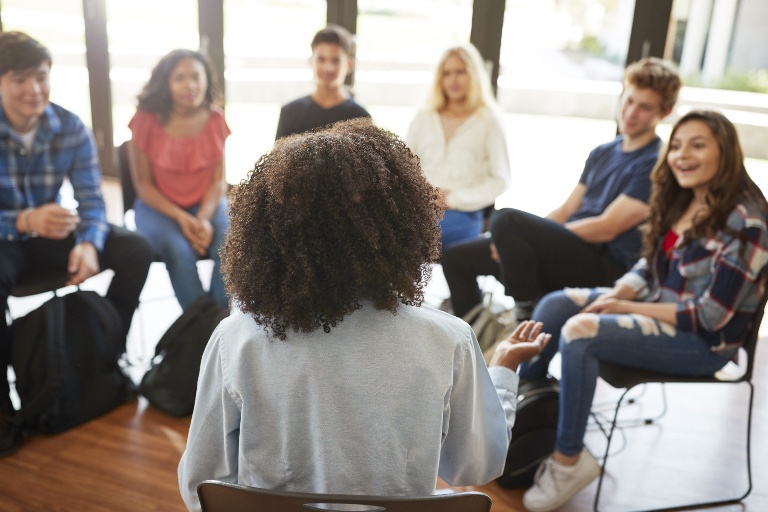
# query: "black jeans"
[[127, 253], [537, 256]]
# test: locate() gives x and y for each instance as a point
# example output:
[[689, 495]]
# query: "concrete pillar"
[[695, 36], [720, 31]]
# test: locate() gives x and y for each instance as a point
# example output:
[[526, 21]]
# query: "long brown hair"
[[730, 185]]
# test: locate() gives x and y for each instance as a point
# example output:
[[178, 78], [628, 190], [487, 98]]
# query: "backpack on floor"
[[489, 322], [170, 383], [65, 356], [534, 431]]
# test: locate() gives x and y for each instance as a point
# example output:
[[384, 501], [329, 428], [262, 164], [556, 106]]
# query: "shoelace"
[[545, 472]]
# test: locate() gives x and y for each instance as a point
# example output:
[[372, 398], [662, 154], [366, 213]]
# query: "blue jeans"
[[169, 242], [457, 226], [584, 339]]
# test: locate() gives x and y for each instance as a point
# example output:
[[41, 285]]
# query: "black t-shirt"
[[304, 114]]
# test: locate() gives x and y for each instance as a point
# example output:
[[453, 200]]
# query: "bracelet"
[[25, 221]]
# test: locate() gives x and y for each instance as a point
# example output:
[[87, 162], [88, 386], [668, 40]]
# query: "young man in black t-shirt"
[[331, 102]]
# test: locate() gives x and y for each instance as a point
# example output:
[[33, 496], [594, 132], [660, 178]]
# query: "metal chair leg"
[[607, 448], [689, 505]]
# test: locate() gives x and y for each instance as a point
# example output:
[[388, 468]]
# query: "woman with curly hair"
[[685, 307], [331, 377], [459, 137], [177, 168]]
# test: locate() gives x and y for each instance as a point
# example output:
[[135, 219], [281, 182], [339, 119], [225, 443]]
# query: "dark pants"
[[127, 253], [537, 256]]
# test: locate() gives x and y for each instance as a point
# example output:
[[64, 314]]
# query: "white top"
[[473, 167], [380, 405]]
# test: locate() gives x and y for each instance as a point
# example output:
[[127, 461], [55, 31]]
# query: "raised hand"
[[525, 342]]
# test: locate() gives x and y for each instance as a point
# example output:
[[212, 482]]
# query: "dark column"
[[97, 59], [487, 22], [211, 27], [344, 13], [650, 25]]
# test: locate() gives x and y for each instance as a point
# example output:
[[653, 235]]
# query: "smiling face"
[[455, 81], [25, 95], [188, 84], [694, 156], [330, 64]]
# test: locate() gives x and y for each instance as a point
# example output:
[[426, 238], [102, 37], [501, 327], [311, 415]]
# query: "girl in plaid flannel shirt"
[[684, 308]]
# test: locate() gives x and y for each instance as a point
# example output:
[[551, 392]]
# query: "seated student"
[[332, 378], [331, 102], [177, 167], [41, 144], [684, 308], [591, 239], [459, 138]]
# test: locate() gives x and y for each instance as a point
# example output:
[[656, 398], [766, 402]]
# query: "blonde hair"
[[479, 93]]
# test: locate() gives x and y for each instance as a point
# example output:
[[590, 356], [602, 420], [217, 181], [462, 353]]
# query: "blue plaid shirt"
[[63, 148], [717, 282]]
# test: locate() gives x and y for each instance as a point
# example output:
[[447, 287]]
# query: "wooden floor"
[[126, 460]]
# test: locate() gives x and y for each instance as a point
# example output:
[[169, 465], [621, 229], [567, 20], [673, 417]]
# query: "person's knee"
[[128, 247], [140, 248], [506, 221], [583, 326], [579, 296], [562, 300]]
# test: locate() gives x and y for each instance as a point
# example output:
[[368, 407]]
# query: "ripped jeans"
[[584, 339]]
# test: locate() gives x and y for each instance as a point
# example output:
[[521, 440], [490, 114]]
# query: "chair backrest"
[[126, 183], [223, 497]]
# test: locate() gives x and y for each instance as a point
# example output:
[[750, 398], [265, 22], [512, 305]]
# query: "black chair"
[[223, 497], [622, 377], [126, 183]]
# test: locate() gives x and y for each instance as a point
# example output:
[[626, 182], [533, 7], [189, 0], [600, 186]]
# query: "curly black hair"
[[328, 220]]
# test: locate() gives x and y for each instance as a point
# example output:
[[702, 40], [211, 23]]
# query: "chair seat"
[[620, 376]]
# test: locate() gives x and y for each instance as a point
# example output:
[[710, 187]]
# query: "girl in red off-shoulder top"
[[177, 167]]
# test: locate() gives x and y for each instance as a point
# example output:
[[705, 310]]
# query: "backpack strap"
[[48, 319]]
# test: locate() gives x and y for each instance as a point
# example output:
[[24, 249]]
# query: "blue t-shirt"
[[610, 172]]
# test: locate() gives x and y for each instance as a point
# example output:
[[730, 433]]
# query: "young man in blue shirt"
[[41, 144], [592, 238]]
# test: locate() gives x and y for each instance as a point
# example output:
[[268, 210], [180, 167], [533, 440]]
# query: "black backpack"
[[65, 356], [170, 383], [534, 431]]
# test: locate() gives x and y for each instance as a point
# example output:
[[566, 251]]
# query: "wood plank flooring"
[[126, 460]]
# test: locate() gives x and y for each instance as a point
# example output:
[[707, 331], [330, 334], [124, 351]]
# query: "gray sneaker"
[[555, 483]]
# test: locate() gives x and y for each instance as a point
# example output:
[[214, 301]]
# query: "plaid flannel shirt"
[[63, 147], [717, 282]]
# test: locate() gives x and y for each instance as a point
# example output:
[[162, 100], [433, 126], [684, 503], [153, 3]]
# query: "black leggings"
[[537, 256]]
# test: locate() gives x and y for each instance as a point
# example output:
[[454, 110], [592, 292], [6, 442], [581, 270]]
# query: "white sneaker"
[[555, 483]]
